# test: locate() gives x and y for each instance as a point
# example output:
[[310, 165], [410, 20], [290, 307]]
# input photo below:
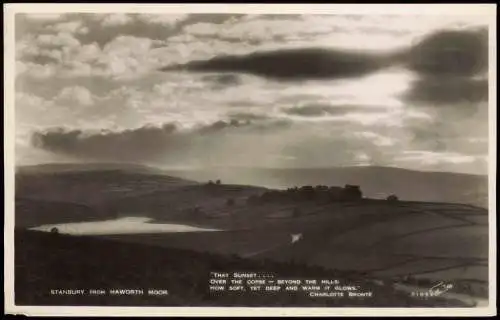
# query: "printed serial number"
[[434, 291]]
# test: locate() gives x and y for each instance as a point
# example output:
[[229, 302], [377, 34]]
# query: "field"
[[375, 238], [45, 262]]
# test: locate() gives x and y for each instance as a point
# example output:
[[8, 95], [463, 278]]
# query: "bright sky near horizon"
[[89, 87]]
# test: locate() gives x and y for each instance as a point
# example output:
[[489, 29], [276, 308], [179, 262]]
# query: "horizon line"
[[208, 167]]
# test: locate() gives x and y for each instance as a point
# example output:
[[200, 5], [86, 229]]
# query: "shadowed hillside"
[[82, 167], [33, 212], [45, 262], [91, 184], [440, 241]]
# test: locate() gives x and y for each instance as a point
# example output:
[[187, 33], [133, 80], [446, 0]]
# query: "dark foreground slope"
[[45, 262]]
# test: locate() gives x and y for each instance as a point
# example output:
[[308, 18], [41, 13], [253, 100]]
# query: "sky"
[[280, 90]]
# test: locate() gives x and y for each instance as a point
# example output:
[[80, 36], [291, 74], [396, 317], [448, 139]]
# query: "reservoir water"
[[125, 225]]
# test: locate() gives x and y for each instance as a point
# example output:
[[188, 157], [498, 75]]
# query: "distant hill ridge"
[[93, 166], [375, 181], [343, 168]]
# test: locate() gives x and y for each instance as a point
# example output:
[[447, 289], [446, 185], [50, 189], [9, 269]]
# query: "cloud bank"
[[441, 54], [292, 64], [263, 90]]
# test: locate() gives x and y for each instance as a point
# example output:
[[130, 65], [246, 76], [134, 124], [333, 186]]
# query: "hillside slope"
[[376, 182], [45, 262], [35, 212], [395, 239], [58, 181], [441, 241], [91, 184]]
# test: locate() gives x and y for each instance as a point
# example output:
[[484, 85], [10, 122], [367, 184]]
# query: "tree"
[[321, 188], [335, 193], [392, 198], [217, 182], [351, 192], [307, 192]]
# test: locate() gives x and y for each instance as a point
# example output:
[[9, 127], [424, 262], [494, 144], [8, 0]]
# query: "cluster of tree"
[[211, 182], [392, 198], [309, 193]]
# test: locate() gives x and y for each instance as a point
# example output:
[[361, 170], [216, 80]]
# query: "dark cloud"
[[448, 90], [292, 64], [276, 143], [451, 65], [148, 143], [220, 125], [247, 116], [316, 110], [144, 141], [249, 125], [451, 53], [244, 103], [222, 81], [444, 53]]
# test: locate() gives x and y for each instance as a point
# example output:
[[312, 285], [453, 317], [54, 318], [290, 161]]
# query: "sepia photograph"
[[316, 158]]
